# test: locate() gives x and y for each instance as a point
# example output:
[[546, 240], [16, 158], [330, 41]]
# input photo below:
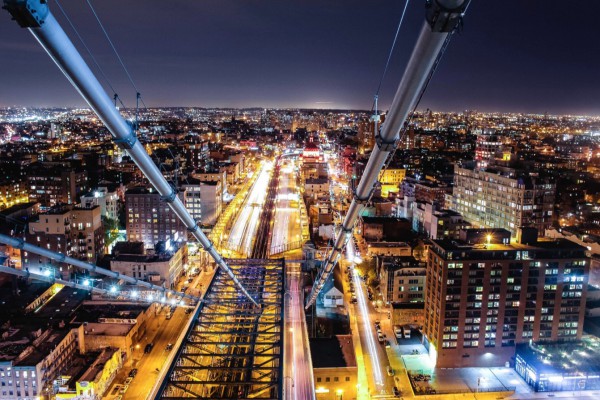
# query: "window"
[[327, 379], [336, 379]]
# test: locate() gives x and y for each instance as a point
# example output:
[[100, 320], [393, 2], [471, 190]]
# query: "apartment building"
[[503, 197], [484, 298], [149, 219]]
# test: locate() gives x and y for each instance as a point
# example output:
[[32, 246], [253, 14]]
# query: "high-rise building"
[[487, 145], [106, 199], [484, 298], [87, 233], [52, 185], [13, 191], [149, 219], [193, 197], [74, 231], [402, 279], [503, 197], [52, 231]]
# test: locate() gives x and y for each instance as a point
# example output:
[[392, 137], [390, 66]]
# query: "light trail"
[[375, 364], [243, 232]]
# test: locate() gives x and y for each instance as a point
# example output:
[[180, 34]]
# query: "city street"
[[374, 356], [160, 332]]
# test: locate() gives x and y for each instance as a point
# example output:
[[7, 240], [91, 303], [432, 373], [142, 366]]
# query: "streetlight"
[[339, 393]]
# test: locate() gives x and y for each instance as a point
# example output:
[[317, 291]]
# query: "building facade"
[[107, 200], [483, 299], [503, 198], [162, 268], [149, 219], [402, 279], [87, 233]]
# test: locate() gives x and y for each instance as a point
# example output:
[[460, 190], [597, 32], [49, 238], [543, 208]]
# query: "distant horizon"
[[310, 109]]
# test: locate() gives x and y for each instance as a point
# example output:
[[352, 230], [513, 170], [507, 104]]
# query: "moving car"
[[406, 331], [169, 347], [148, 348], [397, 392], [133, 373], [390, 371]]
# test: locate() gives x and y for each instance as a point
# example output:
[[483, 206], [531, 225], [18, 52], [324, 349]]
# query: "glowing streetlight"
[[113, 289], [489, 239], [86, 282]]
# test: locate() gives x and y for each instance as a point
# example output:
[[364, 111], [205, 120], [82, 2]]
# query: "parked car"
[[397, 392], [390, 371], [380, 337], [169, 347], [398, 332], [354, 300], [133, 373]]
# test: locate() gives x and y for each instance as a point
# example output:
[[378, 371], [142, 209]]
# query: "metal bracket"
[[128, 142], [386, 145], [362, 200], [169, 198], [443, 16], [193, 228], [209, 247], [28, 13]]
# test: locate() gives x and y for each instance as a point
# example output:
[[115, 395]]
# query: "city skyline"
[[275, 56]]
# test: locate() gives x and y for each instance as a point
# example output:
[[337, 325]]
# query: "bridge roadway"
[[233, 349]]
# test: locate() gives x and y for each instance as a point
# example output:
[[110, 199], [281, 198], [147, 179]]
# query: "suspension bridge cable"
[[387, 64], [100, 69], [64, 13], [112, 45]]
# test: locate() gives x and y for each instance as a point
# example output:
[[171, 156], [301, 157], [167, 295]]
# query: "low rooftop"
[[334, 352]]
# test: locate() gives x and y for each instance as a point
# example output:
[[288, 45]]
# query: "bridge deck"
[[234, 350]]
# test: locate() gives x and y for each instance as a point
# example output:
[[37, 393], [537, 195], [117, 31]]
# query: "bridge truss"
[[234, 349]]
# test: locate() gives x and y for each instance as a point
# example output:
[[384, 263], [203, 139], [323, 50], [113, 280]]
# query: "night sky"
[[513, 55]]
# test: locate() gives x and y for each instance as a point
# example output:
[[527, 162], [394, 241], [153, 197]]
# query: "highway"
[[243, 231], [286, 230]]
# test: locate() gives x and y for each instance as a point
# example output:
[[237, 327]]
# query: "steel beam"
[[36, 16]]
